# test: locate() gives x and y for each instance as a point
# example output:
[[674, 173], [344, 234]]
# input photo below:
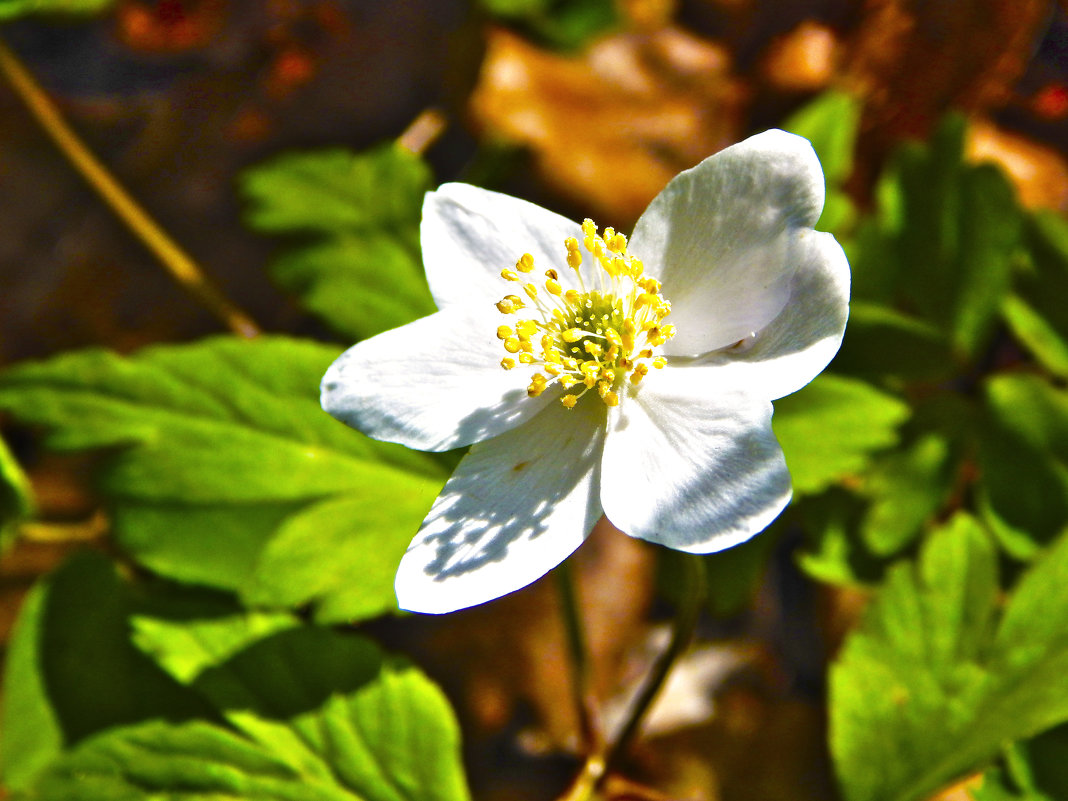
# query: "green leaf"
[[73, 672], [991, 228], [1023, 490], [830, 123], [1032, 331], [314, 715], [1037, 315], [354, 221], [11, 9], [829, 429], [884, 344], [217, 448], [929, 688], [944, 240], [907, 487], [16, 499]]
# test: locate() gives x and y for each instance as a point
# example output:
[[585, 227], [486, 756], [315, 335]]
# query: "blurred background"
[[587, 107]]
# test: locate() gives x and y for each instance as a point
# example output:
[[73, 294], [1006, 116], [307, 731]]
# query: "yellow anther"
[[507, 363], [646, 354], [547, 342], [526, 328], [592, 348], [535, 389], [568, 381], [552, 274], [503, 332], [589, 228], [569, 401], [526, 346], [659, 362], [573, 334], [505, 306], [612, 335], [610, 399], [526, 358], [511, 344], [553, 287], [525, 263], [531, 290], [509, 275], [640, 371], [572, 297], [553, 369]]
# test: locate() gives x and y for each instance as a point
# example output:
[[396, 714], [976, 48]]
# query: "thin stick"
[[578, 652], [602, 759], [685, 625], [176, 260]]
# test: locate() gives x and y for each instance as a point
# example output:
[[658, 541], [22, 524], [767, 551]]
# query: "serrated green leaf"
[[16, 499], [215, 447], [356, 261], [315, 715], [359, 284], [11, 9], [1023, 490], [829, 429], [316, 555], [73, 672], [336, 191], [928, 689]]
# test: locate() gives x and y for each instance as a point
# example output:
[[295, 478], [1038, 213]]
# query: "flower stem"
[[685, 624], [603, 758], [582, 693], [176, 260]]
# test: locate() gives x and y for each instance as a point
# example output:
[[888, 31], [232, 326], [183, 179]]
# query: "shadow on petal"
[[516, 507]]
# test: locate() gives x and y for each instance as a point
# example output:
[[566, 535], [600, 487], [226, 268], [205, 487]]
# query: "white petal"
[[806, 335], [720, 238], [690, 467], [470, 234], [433, 385], [515, 508]]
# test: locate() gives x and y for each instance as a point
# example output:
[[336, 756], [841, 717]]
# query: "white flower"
[[552, 355]]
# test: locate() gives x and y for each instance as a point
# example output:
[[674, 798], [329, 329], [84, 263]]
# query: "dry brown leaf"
[[912, 61], [610, 127], [1039, 173], [804, 60]]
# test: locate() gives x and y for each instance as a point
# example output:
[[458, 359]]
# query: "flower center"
[[590, 337]]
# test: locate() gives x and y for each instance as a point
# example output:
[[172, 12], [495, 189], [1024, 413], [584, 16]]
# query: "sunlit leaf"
[[313, 715], [829, 429], [907, 488], [72, 671], [353, 219], [830, 123], [10, 9], [216, 448], [16, 500], [931, 686]]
